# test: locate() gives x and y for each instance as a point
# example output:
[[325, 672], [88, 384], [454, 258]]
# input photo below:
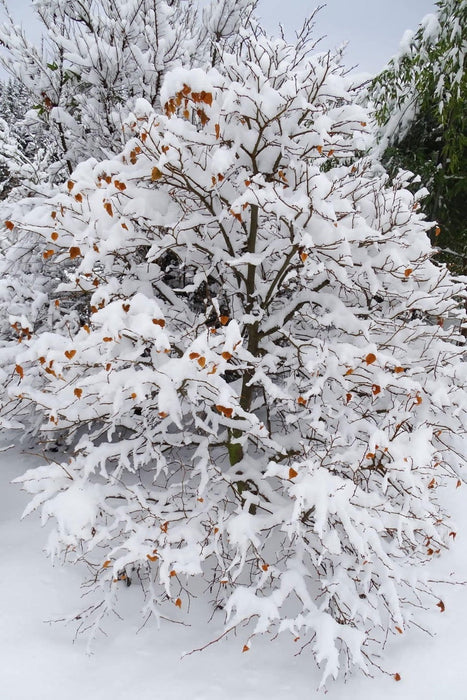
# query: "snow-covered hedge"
[[244, 353]]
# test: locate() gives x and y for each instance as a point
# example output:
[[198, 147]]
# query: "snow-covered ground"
[[41, 661]]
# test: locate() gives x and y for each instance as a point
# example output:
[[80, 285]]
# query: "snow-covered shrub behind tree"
[[247, 359]]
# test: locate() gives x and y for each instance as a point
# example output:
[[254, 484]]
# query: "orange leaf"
[[156, 174], [70, 354], [459, 483], [133, 395], [453, 535], [158, 322], [193, 355], [173, 573], [42, 360], [441, 606], [301, 400], [437, 231], [54, 236], [265, 567], [363, 123], [218, 130], [319, 149], [178, 602], [227, 412], [370, 358], [48, 254], [398, 370], [224, 320], [408, 272], [106, 564], [78, 392], [75, 252], [70, 184], [245, 648], [108, 208], [79, 197], [162, 414], [10, 225], [376, 389], [348, 397], [126, 307], [107, 339], [292, 473], [399, 630], [236, 216], [397, 677], [349, 371], [152, 558], [370, 455], [19, 370], [226, 355], [164, 527], [418, 399], [86, 328], [202, 361], [303, 256], [432, 483]]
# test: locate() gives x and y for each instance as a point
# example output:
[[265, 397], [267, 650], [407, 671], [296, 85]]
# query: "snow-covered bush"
[[246, 357]]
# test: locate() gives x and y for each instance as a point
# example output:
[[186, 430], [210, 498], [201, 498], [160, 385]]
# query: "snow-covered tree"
[[245, 355], [421, 106]]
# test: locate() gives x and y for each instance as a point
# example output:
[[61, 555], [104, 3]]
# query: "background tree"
[[257, 395], [421, 106]]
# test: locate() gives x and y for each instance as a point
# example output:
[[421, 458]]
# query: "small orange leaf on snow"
[[303, 256], [399, 630], [158, 322], [42, 360], [126, 307], [370, 455], [418, 399], [173, 573], [301, 400], [319, 149], [164, 526], [441, 606], [151, 557], [47, 254], [193, 355], [453, 535], [348, 397], [162, 414], [226, 355], [79, 197], [19, 370], [349, 371], [459, 483], [437, 231], [292, 473], [265, 567], [156, 174], [108, 208], [376, 389], [227, 412], [78, 392], [432, 483], [408, 272], [75, 252], [70, 354], [202, 361], [133, 395], [245, 648], [54, 236], [370, 358], [86, 328], [9, 225], [398, 370], [224, 320], [178, 602], [217, 130], [70, 184], [397, 677], [106, 564], [107, 339]]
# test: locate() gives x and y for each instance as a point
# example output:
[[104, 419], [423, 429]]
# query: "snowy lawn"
[[40, 661]]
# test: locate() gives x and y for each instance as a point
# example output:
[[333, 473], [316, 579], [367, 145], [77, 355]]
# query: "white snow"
[[41, 661]]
